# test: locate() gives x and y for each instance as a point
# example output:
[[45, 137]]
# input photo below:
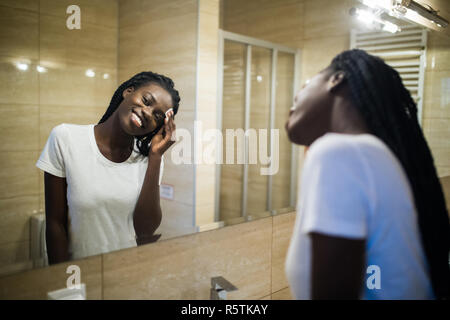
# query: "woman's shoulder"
[[65, 131], [339, 154], [331, 145]]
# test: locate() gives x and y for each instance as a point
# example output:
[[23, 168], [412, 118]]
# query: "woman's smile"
[[142, 120], [136, 120]]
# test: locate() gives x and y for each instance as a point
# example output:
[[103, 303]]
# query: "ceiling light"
[[90, 73], [373, 20], [385, 4], [411, 10], [22, 66], [390, 27], [428, 13], [41, 69]]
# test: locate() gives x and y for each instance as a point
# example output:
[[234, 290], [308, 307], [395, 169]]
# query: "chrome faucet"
[[219, 288]]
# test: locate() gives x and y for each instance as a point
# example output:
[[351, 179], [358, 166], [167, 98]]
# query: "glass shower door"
[[282, 181], [257, 92], [260, 94], [233, 117]]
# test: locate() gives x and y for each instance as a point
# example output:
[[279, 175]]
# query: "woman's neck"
[[345, 118], [111, 134]]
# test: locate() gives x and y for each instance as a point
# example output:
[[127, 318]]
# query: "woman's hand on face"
[[161, 143]]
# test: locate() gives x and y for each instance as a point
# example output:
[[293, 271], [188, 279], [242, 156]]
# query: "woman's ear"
[[335, 80], [127, 91]]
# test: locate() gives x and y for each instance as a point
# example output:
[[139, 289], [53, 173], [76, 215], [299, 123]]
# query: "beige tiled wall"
[[279, 21], [34, 284], [250, 255], [35, 32], [436, 105], [182, 268], [19, 193], [283, 294], [282, 232], [208, 39], [445, 183]]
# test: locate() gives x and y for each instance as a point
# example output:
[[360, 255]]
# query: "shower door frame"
[[249, 42]]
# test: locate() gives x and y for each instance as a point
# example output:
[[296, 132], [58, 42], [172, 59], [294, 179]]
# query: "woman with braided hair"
[[372, 221], [102, 180]]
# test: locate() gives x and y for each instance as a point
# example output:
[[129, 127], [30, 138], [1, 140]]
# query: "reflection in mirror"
[[76, 164], [53, 75]]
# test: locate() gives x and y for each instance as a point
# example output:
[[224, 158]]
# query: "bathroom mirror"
[[236, 64]]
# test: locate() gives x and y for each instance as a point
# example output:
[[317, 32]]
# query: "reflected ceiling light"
[[385, 4], [22, 66], [106, 76], [90, 73], [390, 27], [403, 6], [373, 20], [364, 16], [41, 69], [410, 10], [258, 78]]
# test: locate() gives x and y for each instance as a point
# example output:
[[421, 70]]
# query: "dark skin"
[[324, 105], [115, 138]]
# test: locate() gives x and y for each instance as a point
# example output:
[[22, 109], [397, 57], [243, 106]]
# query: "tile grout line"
[[39, 115], [102, 281], [16, 8], [21, 195], [271, 261], [281, 289]]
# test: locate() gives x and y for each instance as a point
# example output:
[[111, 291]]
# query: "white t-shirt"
[[353, 186], [101, 194]]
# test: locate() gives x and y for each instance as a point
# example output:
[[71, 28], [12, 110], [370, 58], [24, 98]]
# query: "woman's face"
[[310, 116], [142, 110]]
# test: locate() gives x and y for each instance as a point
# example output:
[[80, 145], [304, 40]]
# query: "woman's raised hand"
[[161, 143]]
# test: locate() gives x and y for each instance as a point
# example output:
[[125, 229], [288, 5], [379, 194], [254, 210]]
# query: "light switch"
[[166, 191]]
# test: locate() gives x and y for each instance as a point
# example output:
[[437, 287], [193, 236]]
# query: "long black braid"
[[137, 81], [391, 114]]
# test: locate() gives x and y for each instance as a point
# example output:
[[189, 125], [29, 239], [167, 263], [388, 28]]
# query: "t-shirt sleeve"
[[337, 193], [52, 156]]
